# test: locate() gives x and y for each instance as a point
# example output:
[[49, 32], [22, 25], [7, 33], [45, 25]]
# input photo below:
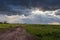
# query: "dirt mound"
[[17, 33]]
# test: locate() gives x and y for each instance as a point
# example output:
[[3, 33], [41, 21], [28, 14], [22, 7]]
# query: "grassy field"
[[44, 32], [41, 32]]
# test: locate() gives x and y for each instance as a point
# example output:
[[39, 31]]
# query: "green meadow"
[[41, 32]]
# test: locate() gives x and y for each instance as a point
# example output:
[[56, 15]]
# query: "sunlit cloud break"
[[36, 16]]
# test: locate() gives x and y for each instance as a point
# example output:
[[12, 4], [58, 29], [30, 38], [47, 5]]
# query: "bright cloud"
[[36, 17]]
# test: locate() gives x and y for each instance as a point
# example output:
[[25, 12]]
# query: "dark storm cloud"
[[44, 4], [20, 10], [5, 5], [57, 12]]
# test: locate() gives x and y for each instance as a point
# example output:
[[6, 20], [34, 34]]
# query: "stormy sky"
[[30, 11]]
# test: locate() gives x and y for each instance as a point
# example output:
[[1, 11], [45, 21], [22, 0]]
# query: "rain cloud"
[[30, 11]]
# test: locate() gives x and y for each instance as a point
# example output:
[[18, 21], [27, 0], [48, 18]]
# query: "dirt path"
[[17, 33]]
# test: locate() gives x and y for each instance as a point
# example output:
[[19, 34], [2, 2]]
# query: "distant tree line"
[[3, 22]]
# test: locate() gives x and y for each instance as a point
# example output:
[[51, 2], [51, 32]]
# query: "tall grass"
[[42, 32]]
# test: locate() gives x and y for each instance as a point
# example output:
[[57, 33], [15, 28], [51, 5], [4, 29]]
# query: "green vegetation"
[[44, 32], [41, 32], [5, 27]]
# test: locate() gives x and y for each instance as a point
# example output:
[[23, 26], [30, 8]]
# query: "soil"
[[17, 33]]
